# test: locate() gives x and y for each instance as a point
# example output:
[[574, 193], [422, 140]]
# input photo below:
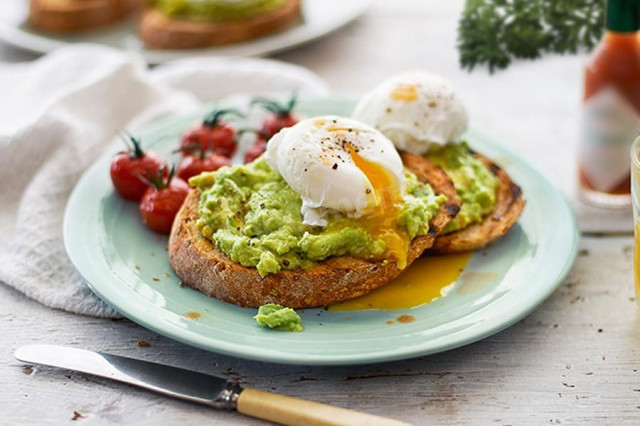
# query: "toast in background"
[[68, 16], [161, 31]]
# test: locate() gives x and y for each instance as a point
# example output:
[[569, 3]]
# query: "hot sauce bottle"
[[611, 110]]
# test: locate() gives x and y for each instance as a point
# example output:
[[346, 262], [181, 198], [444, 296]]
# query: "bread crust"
[[200, 265], [158, 31], [509, 206], [67, 16]]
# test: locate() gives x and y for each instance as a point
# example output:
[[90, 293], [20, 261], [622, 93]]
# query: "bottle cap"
[[623, 15]]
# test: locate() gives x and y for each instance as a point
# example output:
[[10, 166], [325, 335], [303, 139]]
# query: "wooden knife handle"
[[293, 411]]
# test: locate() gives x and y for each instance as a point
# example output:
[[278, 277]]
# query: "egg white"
[[314, 159], [433, 114]]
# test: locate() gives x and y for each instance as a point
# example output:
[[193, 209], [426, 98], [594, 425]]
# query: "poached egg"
[[341, 166], [415, 109]]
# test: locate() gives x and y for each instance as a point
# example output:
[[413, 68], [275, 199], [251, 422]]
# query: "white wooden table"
[[574, 360]]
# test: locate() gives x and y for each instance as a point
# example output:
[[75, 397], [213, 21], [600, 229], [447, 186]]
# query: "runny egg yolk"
[[381, 220]]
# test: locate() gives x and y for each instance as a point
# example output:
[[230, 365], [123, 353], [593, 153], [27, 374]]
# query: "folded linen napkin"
[[59, 113]]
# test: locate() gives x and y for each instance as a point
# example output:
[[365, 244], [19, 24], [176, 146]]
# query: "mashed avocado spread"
[[217, 10], [252, 215], [474, 183], [278, 317]]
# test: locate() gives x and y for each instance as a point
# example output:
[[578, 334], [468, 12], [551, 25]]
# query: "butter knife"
[[197, 387]]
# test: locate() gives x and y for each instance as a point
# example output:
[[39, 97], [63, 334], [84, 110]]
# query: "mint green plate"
[[126, 265]]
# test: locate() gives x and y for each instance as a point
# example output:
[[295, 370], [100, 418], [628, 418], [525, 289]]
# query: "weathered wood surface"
[[575, 360]]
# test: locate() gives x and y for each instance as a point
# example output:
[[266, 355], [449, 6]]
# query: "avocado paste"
[[216, 10], [474, 183], [278, 317], [252, 215]]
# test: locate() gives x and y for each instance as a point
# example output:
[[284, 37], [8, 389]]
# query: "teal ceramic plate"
[[126, 265]]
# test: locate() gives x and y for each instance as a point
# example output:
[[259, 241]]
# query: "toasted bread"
[[158, 31], [200, 265], [509, 206], [66, 16]]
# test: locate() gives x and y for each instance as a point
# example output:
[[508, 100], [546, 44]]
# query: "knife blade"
[[196, 387], [164, 379]]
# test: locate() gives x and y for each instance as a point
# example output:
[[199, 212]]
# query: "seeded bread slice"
[[159, 31], [506, 213], [67, 16], [200, 265]]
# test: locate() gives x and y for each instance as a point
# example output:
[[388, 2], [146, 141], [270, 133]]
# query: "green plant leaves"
[[494, 32]]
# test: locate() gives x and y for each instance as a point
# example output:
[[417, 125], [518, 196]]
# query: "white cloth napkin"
[[58, 114]]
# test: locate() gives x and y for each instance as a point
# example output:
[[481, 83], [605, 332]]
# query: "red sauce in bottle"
[[611, 119]]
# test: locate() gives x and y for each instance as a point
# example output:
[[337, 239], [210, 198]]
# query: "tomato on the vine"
[[162, 200], [255, 150], [129, 169], [272, 125], [281, 114], [200, 161], [214, 134]]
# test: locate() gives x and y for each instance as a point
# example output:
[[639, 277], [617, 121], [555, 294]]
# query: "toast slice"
[[200, 265], [509, 206], [159, 31], [67, 16]]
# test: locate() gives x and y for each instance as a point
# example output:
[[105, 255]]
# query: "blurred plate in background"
[[320, 18]]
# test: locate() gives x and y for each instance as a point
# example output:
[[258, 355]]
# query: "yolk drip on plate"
[[381, 221], [404, 92], [427, 279]]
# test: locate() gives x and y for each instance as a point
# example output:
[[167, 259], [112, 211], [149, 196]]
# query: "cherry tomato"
[[213, 134], [272, 125], [161, 202], [281, 114], [130, 168], [255, 150], [195, 164]]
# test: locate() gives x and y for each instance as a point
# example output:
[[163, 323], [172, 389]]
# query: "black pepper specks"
[[335, 166]]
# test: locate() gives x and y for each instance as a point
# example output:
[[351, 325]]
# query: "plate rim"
[[189, 337]]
